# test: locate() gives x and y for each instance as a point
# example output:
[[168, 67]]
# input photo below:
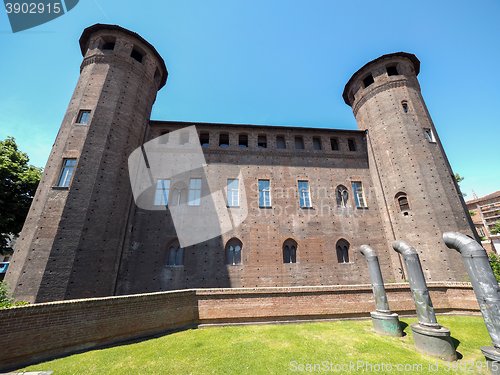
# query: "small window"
[[429, 135], [233, 192], [402, 201], [280, 142], [359, 198], [368, 80], [342, 196], [343, 251], [262, 141], [290, 251], [334, 144], [317, 143], [243, 140], [233, 251], [137, 55], [352, 144], [175, 256], [83, 117], [162, 191], [404, 104], [108, 43], [67, 170], [224, 140], [194, 193], [205, 139], [392, 70], [264, 193], [299, 142], [304, 194]]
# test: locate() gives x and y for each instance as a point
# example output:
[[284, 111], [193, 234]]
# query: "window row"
[[234, 247], [163, 193], [391, 70], [108, 43]]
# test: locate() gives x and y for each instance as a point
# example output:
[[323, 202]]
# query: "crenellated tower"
[[412, 178], [72, 240]]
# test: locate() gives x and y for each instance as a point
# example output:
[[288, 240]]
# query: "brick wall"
[[37, 332]]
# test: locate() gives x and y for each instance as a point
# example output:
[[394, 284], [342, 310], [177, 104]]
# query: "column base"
[[434, 341], [492, 355], [386, 324]]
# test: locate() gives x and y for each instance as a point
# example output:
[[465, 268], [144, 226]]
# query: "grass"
[[279, 349]]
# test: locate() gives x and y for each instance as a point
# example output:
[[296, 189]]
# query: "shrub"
[[5, 300], [495, 265]]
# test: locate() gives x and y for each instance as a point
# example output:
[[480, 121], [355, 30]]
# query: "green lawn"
[[278, 349]]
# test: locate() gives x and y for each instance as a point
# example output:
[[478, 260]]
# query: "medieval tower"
[[315, 195]]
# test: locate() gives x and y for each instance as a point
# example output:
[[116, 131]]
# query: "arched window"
[[233, 251], [404, 104], [343, 251], [402, 202], [289, 251], [342, 196], [175, 255]]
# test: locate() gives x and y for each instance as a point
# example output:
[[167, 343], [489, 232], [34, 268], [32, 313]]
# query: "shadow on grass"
[[403, 326], [456, 343]]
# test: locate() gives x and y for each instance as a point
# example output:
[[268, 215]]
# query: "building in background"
[[485, 213]]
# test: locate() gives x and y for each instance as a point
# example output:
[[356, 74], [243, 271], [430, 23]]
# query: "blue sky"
[[273, 62]]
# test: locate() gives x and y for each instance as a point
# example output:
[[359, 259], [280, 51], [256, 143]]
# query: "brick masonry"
[[41, 331]]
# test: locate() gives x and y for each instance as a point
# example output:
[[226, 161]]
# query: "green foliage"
[[5, 300], [472, 213], [495, 265], [496, 228], [459, 179], [18, 183]]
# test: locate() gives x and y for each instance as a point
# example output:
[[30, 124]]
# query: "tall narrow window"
[[404, 104], [352, 144], [334, 143], [224, 140], [205, 139], [317, 143], [83, 117], [402, 201], [262, 141], [289, 251], [299, 142], [67, 170], [359, 198], [161, 193], [233, 192], [343, 251], [194, 193], [243, 140], [304, 194], [429, 135], [342, 196], [280, 142], [233, 251], [175, 255], [264, 193]]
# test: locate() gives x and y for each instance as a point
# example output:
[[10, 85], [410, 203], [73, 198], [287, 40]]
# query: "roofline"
[[280, 127], [495, 194], [355, 76], [84, 40]]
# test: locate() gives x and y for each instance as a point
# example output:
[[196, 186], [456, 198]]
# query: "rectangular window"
[[224, 140], [161, 193], [352, 144], [194, 193], [262, 141], [204, 139], [67, 170], [429, 135], [359, 198], [334, 143], [233, 192], [83, 117], [280, 142], [304, 194], [243, 140], [299, 143], [264, 193], [317, 143]]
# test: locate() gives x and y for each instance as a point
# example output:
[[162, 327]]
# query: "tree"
[[496, 228], [459, 179], [18, 183], [495, 265]]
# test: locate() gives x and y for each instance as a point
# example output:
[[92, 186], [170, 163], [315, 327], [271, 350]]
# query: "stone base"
[[492, 355], [434, 341], [386, 324]]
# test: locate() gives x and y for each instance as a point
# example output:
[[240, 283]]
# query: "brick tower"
[[411, 175], [72, 240]]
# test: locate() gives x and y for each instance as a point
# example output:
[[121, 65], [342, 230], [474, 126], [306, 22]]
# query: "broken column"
[[485, 287], [430, 338], [384, 321]]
